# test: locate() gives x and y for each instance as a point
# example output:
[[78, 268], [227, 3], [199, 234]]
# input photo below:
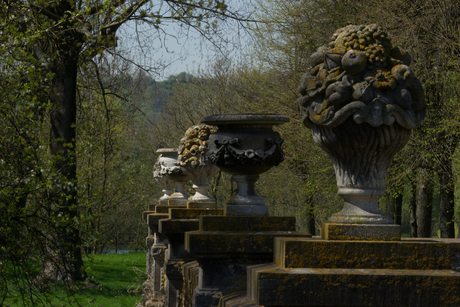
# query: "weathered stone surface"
[[187, 213], [169, 227], [163, 167], [226, 245], [406, 254], [197, 205], [272, 286], [227, 242], [238, 299], [165, 208], [247, 223], [373, 232], [245, 146], [153, 220], [146, 213], [190, 273]]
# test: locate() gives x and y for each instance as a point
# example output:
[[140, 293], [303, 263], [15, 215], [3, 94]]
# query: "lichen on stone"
[[193, 146], [360, 74]]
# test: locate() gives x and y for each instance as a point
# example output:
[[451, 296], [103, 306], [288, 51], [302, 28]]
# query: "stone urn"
[[170, 169], [192, 157], [245, 146], [361, 100], [167, 156]]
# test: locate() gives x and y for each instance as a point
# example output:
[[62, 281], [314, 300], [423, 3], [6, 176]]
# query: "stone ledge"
[[204, 243], [186, 213], [146, 213], [169, 226], [153, 219], [247, 223], [408, 254], [201, 205], [272, 286], [369, 232], [237, 299], [165, 208]]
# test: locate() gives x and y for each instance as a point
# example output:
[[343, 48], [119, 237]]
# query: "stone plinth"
[[190, 272], [179, 220], [225, 246], [372, 232], [316, 272]]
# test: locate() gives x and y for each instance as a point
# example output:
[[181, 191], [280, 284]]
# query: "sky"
[[173, 49]]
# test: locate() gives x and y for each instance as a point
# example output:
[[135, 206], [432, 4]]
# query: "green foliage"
[[116, 280], [72, 151]]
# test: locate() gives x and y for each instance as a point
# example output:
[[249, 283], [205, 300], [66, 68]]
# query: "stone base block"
[[258, 210], [186, 213], [190, 272], [247, 223], [153, 221], [238, 299], [146, 213], [169, 226], [369, 232], [428, 254], [195, 205], [225, 243], [165, 209], [272, 286]]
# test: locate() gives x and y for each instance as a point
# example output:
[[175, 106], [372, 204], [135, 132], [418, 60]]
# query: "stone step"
[[226, 242], [185, 213], [273, 286], [165, 208], [247, 223], [427, 254], [146, 213], [153, 221], [169, 226], [238, 299], [152, 207]]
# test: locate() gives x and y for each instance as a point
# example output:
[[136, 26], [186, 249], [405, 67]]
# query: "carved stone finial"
[[361, 100], [360, 75], [193, 159], [165, 166]]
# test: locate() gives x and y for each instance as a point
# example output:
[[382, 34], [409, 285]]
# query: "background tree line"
[[70, 185], [421, 186]]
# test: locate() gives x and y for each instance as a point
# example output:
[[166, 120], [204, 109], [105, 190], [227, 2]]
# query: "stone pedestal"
[[178, 221], [316, 272], [225, 246]]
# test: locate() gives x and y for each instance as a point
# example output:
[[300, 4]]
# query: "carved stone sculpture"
[[160, 170], [169, 167], [192, 157], [245, 146], [361, 100]]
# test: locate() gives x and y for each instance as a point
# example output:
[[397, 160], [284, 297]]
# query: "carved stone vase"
[[361, 99], [160, 171], [361, 155], [170, 168], [200, 175], [245, 146]]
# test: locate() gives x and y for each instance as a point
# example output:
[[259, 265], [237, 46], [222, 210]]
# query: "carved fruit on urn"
[[361, 100]]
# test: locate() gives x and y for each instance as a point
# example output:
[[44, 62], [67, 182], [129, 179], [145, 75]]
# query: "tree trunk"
[[69, 263], [424, 204], [446, 203], [413, 209]]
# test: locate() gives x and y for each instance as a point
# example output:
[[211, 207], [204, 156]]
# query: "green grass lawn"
[[116, 281]]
